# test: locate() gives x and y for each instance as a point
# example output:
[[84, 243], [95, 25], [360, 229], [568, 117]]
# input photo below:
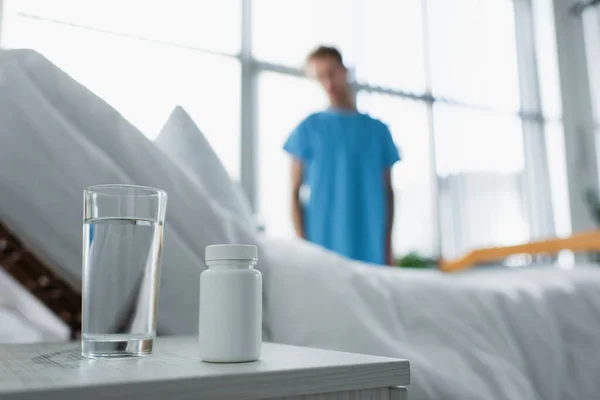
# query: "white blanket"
[[490, 334]]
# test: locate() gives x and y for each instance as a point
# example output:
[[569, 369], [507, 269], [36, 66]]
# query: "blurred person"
[[344, 157]]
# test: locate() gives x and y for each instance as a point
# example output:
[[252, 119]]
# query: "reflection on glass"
[[284, 101], [286, 31], [414, 222], [144, 80], [391, 45], [480, 162], [473, 52]]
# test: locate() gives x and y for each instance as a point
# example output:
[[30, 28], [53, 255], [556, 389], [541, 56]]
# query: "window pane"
[[213, 25], [492, 141], [414, 223], [557, 169], [285, 31], [391, 50], [283, 101], [591, 23], [208, 87], [145, 81], [480, 164], [547, 58], [473, 52]]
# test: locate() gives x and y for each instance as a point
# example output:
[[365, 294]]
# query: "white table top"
[[175, 371]]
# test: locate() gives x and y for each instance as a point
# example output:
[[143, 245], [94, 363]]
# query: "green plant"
[[414, 260]]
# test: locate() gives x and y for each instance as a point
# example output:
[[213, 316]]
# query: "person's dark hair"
[[325, 51]]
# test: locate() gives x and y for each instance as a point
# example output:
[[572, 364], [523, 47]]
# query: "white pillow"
[[57, 138], [182, 141], [190, 210]]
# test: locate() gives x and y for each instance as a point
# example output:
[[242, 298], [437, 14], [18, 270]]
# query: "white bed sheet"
[[490, 334]]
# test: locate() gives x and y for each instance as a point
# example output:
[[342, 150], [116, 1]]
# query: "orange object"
[[579, 242]]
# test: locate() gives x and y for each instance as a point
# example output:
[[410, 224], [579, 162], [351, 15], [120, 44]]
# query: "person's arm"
[[297, 210], [389, 193], [391, 156]]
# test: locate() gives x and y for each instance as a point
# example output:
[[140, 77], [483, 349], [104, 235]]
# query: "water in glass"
[[121, 261]]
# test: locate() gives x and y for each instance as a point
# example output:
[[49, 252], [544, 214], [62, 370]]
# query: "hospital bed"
[[526, 333]]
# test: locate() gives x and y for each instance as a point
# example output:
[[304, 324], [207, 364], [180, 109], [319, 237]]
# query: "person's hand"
[[389, 259], [300, 233]]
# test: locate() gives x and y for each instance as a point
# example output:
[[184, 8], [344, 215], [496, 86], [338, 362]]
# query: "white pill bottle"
[[230, 323]]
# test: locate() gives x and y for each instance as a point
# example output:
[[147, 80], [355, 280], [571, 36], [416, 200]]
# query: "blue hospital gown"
[[345, 155]]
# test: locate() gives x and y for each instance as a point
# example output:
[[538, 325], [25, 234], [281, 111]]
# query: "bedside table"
[[175, 372]]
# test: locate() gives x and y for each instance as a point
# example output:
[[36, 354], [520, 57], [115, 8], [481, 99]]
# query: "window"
[[480, 161], [202, 24], [470, 140], [284, 32], [555, 145], [391, 46], [473, 52], [591, 23], [413, 177], [551, 107], [547, 59], [455, 59], [284, 101], [479, 144], [145, 80], [382, 40]]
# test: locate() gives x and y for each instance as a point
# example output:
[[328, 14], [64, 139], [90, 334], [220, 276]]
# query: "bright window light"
[[470, 140], [413, 178], [391, 45], [285, 31], [473, 52], [547, 59], [591, 23], [557, 170], [284, 101], [144, 80], [205, 24], [480, 162]]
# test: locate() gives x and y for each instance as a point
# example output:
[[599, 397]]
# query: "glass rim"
[[149, 191]]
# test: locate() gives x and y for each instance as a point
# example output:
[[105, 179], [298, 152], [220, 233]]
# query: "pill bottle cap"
[[219, 252]]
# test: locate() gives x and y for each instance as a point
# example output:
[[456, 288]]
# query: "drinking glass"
[[122, 247]]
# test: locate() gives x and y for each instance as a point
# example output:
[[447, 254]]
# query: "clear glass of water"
[[122, 247]]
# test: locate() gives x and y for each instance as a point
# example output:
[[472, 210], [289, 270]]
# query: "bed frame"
[[578, 242], [36, 276]]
